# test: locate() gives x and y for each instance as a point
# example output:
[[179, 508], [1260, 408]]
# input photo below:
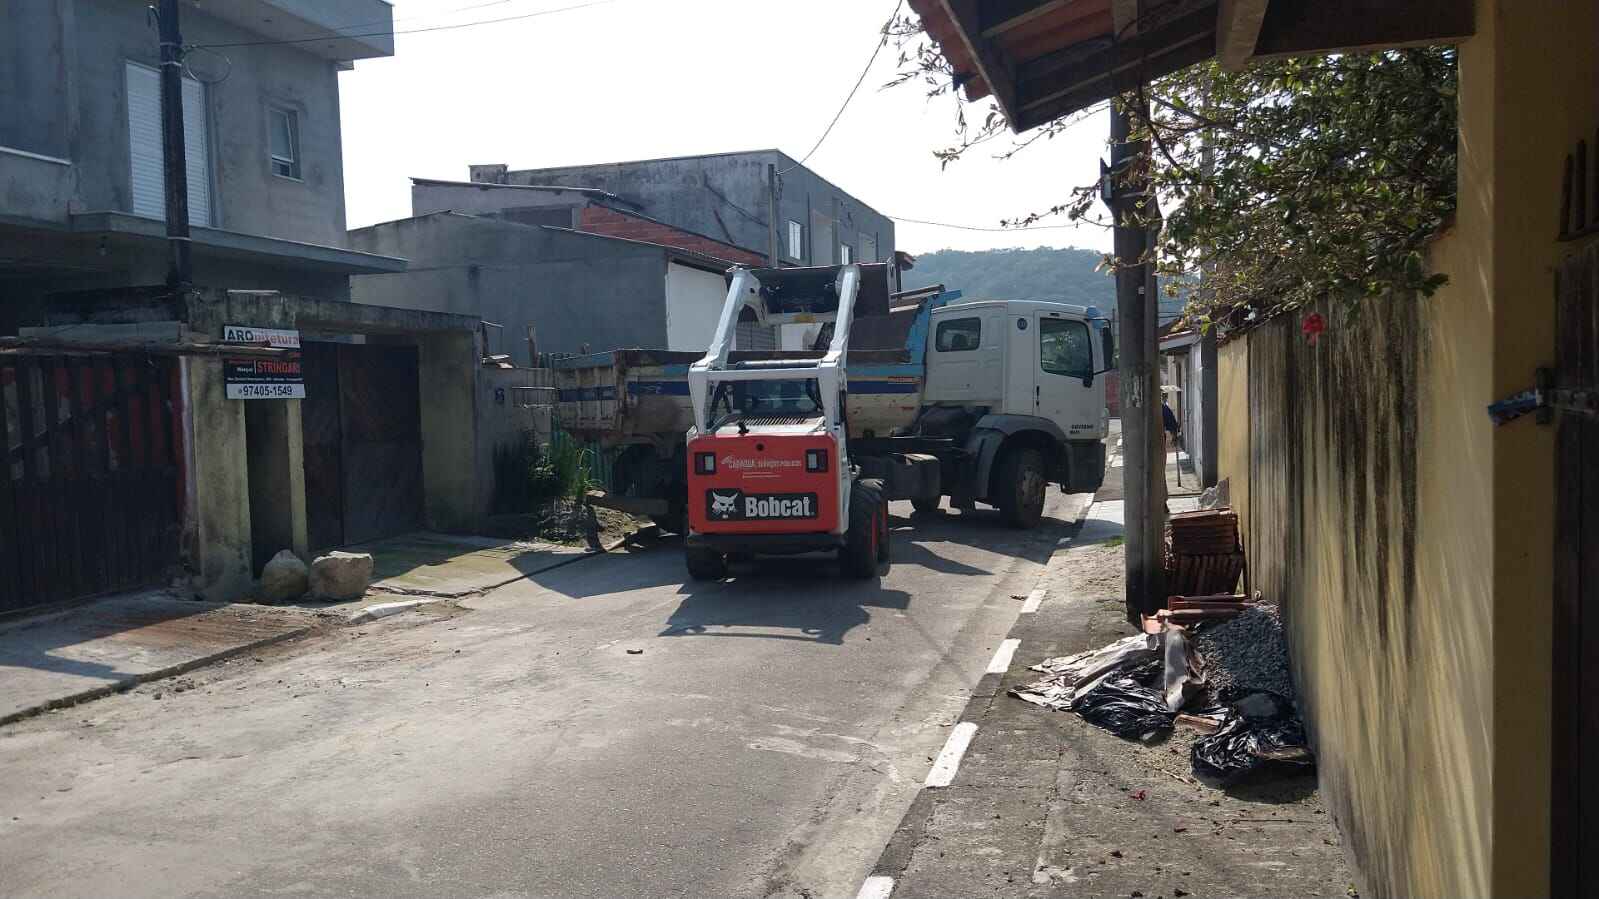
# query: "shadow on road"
[[781, 599]]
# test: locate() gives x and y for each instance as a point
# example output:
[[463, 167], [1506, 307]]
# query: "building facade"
[[572, 290], [81, 177], [728, 196]]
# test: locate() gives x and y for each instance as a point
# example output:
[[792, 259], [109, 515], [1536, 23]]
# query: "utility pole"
[[1209, 390], [771, 216], [1143, 446], [176, 169]]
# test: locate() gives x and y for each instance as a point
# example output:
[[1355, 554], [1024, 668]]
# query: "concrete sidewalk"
[[1043, 804], [62, 658], [417, 569]]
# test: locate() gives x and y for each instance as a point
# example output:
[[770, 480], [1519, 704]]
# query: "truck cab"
[[1022, 357]]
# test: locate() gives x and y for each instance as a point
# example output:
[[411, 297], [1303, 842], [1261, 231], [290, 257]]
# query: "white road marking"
[[1000, 663], [876, 887], [1034, 600], [949, 760]]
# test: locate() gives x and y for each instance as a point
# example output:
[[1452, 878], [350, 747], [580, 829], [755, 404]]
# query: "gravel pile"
[[1248, 652]]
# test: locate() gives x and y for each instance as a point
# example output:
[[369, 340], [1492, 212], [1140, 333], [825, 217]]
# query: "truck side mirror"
[[1108, 339]]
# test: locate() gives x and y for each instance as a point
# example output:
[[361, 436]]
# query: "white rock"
[[341, 575], [284, 578]]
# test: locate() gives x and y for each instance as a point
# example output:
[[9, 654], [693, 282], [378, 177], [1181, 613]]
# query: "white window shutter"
[[196, 151], [148, 177], [144, 141]]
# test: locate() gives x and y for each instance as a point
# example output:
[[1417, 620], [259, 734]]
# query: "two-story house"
[[727, 196], [81, 174], [627, 254]]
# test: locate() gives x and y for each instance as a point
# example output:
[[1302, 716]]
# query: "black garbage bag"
[[1260, 729], [1126, 708]]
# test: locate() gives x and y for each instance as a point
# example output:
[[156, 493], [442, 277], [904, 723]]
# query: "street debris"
[[1125, 707], [1203, 554], [1248, 653], [1260, 729], [1227, 678], [285, 577], [341, 575]]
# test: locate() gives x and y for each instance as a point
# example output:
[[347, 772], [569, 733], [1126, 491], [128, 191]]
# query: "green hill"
[[1043, 273]]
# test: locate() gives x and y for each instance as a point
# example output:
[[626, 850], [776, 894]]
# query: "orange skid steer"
[[769, 469]]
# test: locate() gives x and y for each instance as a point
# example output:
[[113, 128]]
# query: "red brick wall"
[[1113, 383], [602, 220]]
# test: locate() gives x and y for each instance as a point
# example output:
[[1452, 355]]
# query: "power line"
[[983, 228], [881, 43], [391, 32]]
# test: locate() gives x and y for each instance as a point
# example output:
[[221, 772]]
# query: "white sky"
[[636, 79]]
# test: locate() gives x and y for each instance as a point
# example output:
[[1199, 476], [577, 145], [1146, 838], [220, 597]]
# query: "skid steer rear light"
[[816, 460], [705, 463]]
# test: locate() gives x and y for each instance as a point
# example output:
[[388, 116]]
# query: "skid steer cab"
[[768, 458]]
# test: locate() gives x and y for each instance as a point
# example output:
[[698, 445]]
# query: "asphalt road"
[[603, 729]]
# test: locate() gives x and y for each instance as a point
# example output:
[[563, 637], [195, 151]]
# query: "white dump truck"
[[987, 401]]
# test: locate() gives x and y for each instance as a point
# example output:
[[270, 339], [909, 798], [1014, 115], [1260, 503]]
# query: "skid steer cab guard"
[[768, 457]]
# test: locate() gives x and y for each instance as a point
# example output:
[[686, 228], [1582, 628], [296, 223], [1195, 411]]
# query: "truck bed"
[[622, 396]]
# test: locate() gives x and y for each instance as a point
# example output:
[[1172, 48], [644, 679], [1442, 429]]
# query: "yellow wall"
[[1544, 81], [1426, 665]]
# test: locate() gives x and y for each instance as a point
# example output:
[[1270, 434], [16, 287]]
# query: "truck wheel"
[[1020, 485], [705, 564], [867, 521], [926, 505]]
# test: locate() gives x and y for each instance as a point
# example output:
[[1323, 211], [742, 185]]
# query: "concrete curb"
[[896, 855], [135, 680]]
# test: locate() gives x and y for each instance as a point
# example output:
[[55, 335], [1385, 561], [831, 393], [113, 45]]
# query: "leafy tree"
[[1293, 180]]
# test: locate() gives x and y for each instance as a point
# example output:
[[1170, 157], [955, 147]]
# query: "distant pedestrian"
[[1169, 419], [1174, 433]]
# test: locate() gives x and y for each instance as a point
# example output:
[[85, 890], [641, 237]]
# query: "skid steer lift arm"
[[781, 296]]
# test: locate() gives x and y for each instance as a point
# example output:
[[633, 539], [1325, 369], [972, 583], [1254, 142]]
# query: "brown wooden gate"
[[362, 429], [1575, 793], [90, 497]]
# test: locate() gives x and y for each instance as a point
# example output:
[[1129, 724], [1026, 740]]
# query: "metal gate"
[[1575, 793], [90, 497], [362, 429]]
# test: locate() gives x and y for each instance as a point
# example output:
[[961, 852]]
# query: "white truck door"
[[1062, 358], [955, 368]]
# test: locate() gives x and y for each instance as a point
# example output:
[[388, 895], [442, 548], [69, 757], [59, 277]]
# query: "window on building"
[[796, 241], [844, 254], [958, 334], [822, 242], [1063, 347], [283, 142], [146, 159]]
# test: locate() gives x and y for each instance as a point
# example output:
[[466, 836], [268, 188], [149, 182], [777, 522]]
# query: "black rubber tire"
[[867, 520], [1020, 484], [705, 564], [926, 505], [876, 486]]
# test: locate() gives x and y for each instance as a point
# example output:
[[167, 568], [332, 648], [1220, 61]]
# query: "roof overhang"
[[333, 29], [1043, 59], [220, 244]]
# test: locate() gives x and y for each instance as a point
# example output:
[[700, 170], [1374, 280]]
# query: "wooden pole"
[[1143, 446]]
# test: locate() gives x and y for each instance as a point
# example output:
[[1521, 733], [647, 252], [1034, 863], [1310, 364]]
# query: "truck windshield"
[[797, 398]]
